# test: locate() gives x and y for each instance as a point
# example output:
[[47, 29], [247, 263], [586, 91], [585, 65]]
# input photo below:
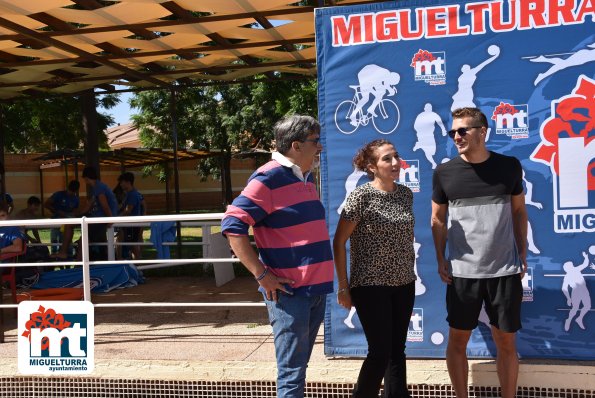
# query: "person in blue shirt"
[[12, 239], [102, 203], [132, 205], [30, 212], [9, 202], [62, 204]]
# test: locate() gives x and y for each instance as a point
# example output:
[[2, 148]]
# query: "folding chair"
[[10, 276]]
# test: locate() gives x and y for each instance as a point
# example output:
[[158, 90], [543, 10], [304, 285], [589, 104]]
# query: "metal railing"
[[206, 221]]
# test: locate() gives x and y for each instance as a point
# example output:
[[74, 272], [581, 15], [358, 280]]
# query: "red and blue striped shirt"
[[289, 226]]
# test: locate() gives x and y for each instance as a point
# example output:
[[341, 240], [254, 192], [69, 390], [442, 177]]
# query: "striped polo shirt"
[[288, 222]]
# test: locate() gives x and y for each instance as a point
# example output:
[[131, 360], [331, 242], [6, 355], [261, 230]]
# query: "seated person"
[[31, 212], [11, 238]]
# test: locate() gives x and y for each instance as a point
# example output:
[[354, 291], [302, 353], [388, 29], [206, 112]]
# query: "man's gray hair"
[[294, 128]]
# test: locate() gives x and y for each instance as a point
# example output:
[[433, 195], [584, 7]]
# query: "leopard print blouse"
[[382, 252]]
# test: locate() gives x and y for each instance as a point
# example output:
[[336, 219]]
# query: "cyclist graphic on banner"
[[373, 81]]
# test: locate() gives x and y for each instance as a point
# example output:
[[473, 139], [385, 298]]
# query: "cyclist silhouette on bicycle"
[[377, 81]]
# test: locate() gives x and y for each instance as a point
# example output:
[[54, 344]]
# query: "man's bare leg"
[[456, 360], [66, 242], [507, 361]]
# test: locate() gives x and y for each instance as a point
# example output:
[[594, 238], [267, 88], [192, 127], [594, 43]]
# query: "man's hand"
[[271, 283], [443, 271], [524, 265]]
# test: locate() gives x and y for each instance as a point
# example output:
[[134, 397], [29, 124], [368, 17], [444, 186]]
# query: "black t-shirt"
[[481, 242], [457, 179]]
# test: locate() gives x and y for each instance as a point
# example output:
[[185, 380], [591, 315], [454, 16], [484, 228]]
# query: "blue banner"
[[395, 70]]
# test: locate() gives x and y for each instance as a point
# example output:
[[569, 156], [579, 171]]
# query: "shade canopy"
[[70, 46]]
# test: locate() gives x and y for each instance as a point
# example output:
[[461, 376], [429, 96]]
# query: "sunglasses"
[[462, 131], [315, 141]]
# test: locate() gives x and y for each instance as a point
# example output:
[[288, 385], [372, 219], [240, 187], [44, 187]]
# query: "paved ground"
[[235, 343], [182, 342]]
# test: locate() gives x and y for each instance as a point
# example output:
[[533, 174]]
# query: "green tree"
[[47, 124], [230, 118]]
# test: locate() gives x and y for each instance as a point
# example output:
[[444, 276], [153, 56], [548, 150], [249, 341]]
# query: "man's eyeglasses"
[[315, 141], [462, 131]]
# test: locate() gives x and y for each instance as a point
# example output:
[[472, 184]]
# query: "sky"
[[121, 113]]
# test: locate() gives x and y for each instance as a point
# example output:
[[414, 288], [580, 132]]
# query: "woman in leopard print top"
[[378, 220]]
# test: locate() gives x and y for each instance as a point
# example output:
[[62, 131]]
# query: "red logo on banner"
[[504, 109], [422, 55], [574, 116]]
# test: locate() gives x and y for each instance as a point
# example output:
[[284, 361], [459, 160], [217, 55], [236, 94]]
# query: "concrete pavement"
[[179, 342], [235, 343]]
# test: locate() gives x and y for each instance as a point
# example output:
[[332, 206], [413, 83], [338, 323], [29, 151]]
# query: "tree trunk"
[[2, 143], [226, 178], [90, 127]]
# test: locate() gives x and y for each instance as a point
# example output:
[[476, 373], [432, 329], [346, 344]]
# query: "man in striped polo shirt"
[[294, 267]]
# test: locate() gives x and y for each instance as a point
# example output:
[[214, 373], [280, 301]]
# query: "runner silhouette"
[[529, 201], [575, 290], [424, 126]]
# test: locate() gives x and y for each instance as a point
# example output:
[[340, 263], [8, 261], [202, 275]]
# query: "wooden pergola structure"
[[88, 47], [73, 46]]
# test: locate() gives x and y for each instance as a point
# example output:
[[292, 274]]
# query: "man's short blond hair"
[[474, 113]]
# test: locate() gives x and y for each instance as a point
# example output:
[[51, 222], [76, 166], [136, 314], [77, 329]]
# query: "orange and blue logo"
[[416, 325], [56, 337], [429, 67], [511, 120], [409, 175], [528, 284], [568, 147]]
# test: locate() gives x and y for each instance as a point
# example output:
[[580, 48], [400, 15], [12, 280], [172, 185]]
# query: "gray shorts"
[[502, 297]]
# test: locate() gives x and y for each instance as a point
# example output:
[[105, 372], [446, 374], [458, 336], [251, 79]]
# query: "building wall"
[[23, 180]]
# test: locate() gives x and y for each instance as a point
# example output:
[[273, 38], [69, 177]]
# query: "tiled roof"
[[123, 136]]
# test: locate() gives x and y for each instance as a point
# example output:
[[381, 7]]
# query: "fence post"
[[85, 259], [111, 251]]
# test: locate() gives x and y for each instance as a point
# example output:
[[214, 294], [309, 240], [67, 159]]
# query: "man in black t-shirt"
[[482, 194]]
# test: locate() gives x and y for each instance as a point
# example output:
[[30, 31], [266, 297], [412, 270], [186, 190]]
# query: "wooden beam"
[[113, 78], [191, 50], [156, 25], [71, 49]]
